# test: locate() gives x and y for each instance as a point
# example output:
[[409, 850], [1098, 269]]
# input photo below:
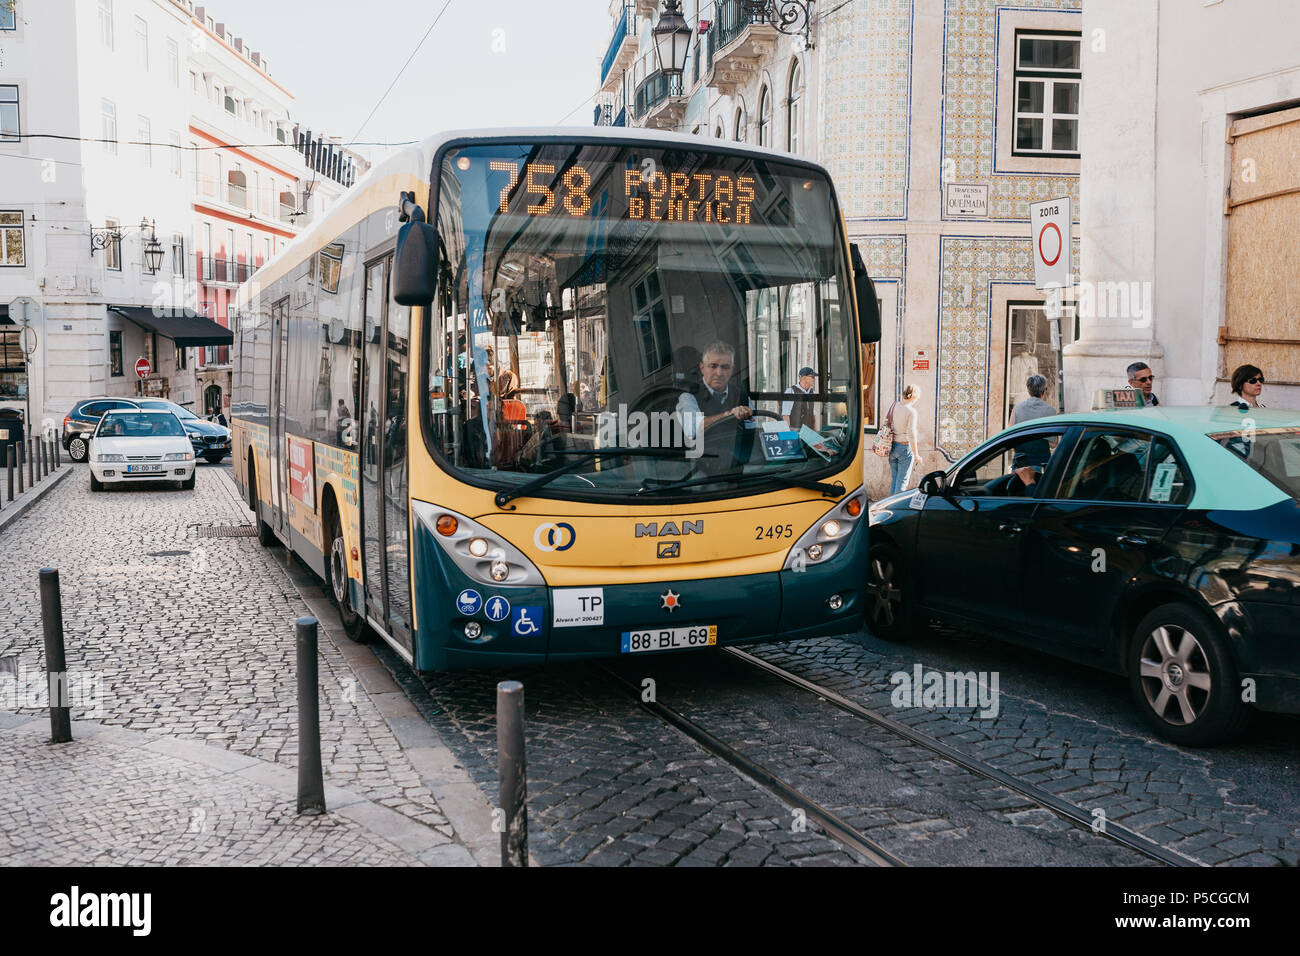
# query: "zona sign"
[[142, 367], [1049, 231]]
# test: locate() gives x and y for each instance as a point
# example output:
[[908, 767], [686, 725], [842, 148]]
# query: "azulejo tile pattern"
[[970, 107], [965, 331], [866, 57]]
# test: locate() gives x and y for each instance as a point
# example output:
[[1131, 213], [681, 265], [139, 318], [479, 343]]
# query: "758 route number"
[[774, 531]]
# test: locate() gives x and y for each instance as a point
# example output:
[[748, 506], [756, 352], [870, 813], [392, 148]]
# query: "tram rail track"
[[1062, 808], [833, 825]]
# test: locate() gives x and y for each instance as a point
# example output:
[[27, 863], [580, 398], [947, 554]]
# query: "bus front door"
[[275, 415]]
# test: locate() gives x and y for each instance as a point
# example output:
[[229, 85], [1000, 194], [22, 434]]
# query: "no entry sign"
[[1049, 228], [142, 367]]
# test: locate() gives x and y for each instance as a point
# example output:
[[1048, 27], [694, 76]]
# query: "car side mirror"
[[935, 483], [864, 290], [415, 266]]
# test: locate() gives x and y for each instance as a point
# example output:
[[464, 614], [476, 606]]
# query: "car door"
[[1096, 530], [969, 550]]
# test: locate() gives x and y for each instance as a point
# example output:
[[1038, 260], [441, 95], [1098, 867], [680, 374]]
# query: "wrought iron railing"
[[216, 269], [654, 89], [626, 24]]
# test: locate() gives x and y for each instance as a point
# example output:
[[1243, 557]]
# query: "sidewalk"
[[191, 757], [12, 510]]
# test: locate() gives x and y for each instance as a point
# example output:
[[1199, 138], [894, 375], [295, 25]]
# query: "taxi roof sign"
[[1110, 399]]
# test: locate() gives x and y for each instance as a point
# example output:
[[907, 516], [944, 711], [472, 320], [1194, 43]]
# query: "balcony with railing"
[[222, 271], [611, 109], [739, 39], [659, 103], [621, 53]]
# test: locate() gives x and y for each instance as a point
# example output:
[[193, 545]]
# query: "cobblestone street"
[[191, 637]]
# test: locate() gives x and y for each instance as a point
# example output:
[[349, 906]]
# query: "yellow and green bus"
[[546, 395]]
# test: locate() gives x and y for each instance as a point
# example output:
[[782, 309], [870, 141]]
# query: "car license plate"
[[143, 469], [670, 638]]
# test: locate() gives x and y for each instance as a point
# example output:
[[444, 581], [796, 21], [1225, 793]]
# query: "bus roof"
[[414, 163]]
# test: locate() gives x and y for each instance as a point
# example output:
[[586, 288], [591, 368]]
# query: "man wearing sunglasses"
[[1141, 377]]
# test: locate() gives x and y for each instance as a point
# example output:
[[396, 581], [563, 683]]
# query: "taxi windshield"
[[654, 322], [1273, 452], [139, 425]]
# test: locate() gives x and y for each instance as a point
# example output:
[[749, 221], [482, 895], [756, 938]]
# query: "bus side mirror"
[[415, 266], [865, 291]]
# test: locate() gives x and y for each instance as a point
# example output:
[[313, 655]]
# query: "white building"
[[119, 129], [1190, 192]]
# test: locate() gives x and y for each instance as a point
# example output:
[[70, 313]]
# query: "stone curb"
[[425, 844], [28, 498]]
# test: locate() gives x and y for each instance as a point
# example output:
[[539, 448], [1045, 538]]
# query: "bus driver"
[[714, 397]]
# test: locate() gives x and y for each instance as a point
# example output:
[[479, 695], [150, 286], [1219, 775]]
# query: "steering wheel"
[[762, 414]]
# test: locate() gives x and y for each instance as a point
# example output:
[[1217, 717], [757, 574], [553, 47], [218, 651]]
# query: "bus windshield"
[[638, 321]]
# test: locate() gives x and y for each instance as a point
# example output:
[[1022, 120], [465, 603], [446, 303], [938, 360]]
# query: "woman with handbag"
[[897, 439]]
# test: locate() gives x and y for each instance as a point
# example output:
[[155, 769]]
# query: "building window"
[[178, 254], [106, 23], [174, 63], [10, 131], [740, 126], [650, 319], [141, 43], [194, 82], [113, 251], [8, 17], [144, 133], [181, 355], [11, 239], [115, 354], [764, 118], [198, 168], [108, 125], [175, 139], [1048, 78], [793, 117]]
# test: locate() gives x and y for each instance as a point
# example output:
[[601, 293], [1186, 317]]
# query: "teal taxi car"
[[1162, 543]]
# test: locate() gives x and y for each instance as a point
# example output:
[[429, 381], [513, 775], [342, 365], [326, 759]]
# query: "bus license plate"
[[670, 638], [143, 469]]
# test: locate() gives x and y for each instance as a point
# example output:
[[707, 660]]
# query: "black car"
[[210, 441], [79, 424], [1163, 544]]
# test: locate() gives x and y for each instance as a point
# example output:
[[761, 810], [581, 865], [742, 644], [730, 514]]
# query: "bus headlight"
[[477, 550], [828, 535]]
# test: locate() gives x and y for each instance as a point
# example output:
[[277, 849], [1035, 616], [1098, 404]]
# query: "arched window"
[[719, 132], [764, 118], [740, 124], [793, 115]]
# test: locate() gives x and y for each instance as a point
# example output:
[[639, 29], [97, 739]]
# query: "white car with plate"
[[139, 444]]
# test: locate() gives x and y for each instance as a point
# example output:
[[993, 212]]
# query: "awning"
[[184, 327]]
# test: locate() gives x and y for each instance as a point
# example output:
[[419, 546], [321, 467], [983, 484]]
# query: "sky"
[[487, 63]]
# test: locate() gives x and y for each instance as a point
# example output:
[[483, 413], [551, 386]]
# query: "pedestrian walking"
[[905, 452], [1143, 379], [1247, 384]]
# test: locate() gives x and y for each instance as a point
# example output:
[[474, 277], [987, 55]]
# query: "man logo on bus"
[[554, 537]]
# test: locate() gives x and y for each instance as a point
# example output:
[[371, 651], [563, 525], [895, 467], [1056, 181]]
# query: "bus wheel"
[[336, 570]]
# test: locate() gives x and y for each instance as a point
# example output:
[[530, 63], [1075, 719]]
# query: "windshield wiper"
[[828, 490], [503, 498]]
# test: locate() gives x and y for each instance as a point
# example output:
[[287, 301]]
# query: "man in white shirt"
[[798, 411], [714, 397]]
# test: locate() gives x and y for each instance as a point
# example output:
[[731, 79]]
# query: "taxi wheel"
[[96, 484], [1183, 679], [188, 483], [336, 576], [889, 601], [77, 449], [213, 459]]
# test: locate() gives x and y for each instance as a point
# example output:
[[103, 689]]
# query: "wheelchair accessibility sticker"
[[527, 621]]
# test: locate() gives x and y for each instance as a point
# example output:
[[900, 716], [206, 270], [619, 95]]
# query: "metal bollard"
[[56, 666], [22, 453], [512, 773], [9, 468], [58, 452], [311, 781], [31, 463], [44, 461]]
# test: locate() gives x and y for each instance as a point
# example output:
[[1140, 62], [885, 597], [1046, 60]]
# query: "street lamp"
[[672, 39], [153, 250]]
